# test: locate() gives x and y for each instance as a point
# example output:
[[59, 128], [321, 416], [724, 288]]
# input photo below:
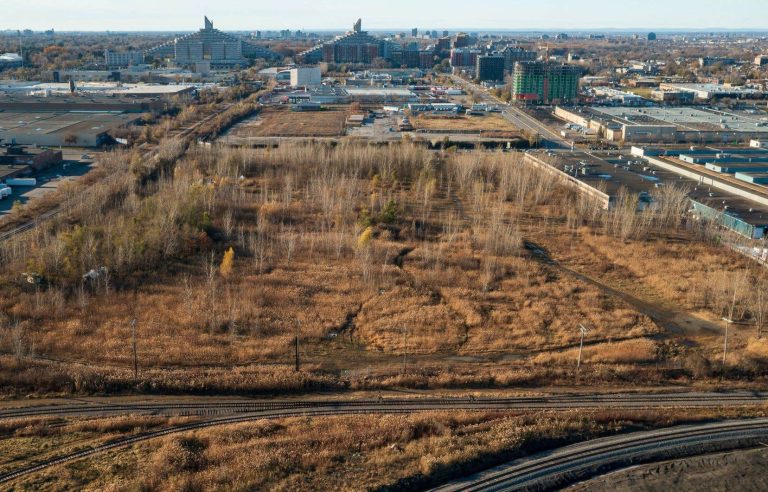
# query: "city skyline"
[[236, 15]]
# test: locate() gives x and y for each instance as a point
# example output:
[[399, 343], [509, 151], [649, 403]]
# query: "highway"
[[226, 410], [565, 466]]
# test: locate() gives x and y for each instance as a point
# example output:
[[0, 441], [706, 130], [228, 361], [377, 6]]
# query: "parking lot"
[[73, 166]]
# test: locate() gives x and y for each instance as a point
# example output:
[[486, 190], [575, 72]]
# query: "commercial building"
[[306, 77], [761, 60], [354, 47], [209, 45], [490, 68], [545, 83], [114, 59]]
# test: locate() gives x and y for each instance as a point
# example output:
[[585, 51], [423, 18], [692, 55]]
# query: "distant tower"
[[208, 24], [414, 32], [358, 27], [651, 36]]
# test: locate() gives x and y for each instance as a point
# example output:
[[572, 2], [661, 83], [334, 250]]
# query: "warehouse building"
[[667, 125], [209, 45], [61, 128], [545, 83], [705, 92]]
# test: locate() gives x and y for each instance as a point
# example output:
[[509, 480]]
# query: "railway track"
[[557, 469], [206, 407], [239, 411]]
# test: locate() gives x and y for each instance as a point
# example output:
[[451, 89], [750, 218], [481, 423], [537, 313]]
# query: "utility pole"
[[298, 331], [725, 341], [405, 348], [583, 331], [135, 357]]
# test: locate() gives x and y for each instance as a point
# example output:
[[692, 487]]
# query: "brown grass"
[[490, 122], [284, 123], [347, 453], [442, 273]]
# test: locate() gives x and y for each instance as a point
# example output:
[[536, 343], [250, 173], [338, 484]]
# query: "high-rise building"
[[514, 54], [464, 57], [490, 68], [209, 45], [414, 32], [545, 83], [461, 41], [356, 47]]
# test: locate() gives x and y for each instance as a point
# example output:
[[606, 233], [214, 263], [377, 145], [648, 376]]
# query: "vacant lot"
[[285, 123], [490, 122], [396, 266]]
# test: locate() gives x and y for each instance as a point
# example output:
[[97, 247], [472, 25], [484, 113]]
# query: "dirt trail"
[[676, 322]]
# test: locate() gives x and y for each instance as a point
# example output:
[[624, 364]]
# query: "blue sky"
[[100, 15]]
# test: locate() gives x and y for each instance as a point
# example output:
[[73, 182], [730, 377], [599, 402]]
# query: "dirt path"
[[676, 322]]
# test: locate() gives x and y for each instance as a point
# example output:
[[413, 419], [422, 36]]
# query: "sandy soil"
[[738, 470]]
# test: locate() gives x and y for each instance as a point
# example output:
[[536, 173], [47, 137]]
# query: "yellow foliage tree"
[[365, 238], [227, 263]]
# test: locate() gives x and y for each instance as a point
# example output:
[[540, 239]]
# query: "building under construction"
[[545, 83], [209, 45], [354, 47]]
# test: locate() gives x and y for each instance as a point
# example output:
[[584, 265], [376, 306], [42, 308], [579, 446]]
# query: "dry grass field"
[[285, 123], [491, 122], [396, 266], [367, 452]]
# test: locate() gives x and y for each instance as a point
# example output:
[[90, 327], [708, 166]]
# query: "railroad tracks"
[[227, 412], [557, 469]]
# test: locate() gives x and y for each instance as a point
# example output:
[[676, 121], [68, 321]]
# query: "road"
[[517, 116], [224, 411], [560, 468]]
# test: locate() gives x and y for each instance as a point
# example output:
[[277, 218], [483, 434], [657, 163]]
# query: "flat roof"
[[691, 119], [12, 122]]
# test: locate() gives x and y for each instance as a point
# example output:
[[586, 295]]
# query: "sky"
[[250, 15]]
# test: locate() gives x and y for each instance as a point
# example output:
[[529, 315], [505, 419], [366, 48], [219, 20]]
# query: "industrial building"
[[354, 47], [490, 68], [667, 125], [545, 83], [209, 45], [61, 128]]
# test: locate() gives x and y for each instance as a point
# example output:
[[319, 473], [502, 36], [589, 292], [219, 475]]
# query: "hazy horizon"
[[395, 15]]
